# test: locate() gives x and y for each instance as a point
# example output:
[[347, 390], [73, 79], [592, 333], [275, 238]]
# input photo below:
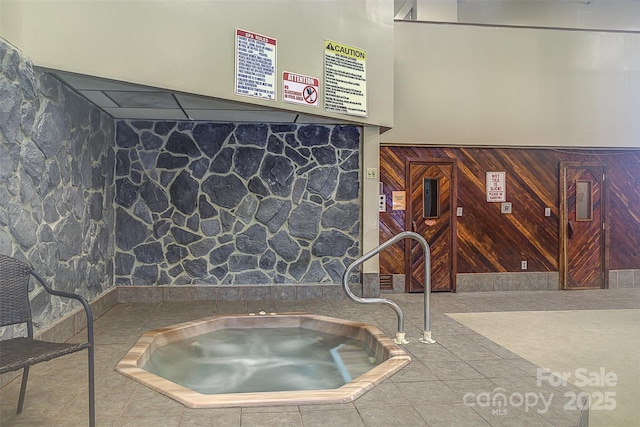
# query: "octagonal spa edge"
[[382, 347]]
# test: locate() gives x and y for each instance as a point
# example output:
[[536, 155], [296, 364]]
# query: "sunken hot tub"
[[264, 359]]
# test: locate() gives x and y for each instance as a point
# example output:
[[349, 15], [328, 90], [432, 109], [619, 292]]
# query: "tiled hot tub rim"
[[395, 358]]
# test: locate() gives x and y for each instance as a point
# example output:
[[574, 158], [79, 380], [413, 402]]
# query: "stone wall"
[[235, 204], [56, 183]]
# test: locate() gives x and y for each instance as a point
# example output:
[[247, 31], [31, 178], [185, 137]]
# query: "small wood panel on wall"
[[489, 240]]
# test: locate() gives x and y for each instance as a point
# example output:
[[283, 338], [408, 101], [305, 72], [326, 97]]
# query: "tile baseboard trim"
[[627, 278], [235, 293], [518, 281]]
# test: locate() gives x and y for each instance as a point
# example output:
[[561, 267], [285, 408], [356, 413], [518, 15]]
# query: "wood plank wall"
[[488, 241]]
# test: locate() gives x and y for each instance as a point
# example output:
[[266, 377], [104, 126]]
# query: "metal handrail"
[[400, 335]]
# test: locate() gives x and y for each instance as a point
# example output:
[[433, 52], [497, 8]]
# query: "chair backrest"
[[14, 291]]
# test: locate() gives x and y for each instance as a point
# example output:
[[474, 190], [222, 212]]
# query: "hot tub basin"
[[388, 357]]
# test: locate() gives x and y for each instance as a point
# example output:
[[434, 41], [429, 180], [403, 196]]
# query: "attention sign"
[[345, 79], [255, 65], [299, 89]]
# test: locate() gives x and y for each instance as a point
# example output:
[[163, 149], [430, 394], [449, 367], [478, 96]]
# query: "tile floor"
[[597, 350], [463, 366]]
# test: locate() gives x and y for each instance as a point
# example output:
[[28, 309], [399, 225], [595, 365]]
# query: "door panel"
[[584, 227], [429, 207]]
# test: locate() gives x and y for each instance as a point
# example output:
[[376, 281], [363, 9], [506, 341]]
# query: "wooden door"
[[583, 249], [431, 199]]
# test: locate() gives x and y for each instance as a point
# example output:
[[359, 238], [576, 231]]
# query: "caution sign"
[[345, 79], [255, 65], [299, 89]]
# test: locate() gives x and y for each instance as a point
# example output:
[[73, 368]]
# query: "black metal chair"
[[22, 352]]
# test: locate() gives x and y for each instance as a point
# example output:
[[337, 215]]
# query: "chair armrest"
[[80, 298]]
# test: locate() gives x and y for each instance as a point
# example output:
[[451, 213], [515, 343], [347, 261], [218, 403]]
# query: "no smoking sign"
[[299, 89]]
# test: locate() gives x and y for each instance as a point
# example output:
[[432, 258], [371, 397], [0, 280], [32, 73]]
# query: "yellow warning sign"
[[345, 79], [346, 50]]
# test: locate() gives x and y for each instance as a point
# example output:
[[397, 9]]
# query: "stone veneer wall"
[[235, 204], [56, 184]]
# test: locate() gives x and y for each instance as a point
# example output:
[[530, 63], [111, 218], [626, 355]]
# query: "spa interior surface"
[[430, 391]]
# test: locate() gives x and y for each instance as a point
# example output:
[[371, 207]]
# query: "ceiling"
[[136, 102]]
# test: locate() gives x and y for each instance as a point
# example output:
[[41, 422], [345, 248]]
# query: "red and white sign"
[[299, 89], [255, 65]]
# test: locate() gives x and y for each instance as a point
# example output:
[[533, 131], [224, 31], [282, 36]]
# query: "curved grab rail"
[[400, 335]]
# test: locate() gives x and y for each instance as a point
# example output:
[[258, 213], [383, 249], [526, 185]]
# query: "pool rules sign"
[[345, 79], [255, 65]]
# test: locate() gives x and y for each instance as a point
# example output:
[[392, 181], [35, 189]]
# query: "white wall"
[[188, 46], [587, 14], [370, 191], [437, 10], [484, 86], [591, 14]]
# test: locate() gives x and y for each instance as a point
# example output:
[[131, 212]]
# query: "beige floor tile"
[[397, 416], [265, 419], [596, 342], [428, 391], [337, 418], [224, 417], [439, 415]]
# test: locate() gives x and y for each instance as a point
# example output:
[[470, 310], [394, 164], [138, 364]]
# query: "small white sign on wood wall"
[[496, 187]]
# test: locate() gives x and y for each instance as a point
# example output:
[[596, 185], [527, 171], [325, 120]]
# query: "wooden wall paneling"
[[503, 240], [488, 241], [391, 221], [623, 181]]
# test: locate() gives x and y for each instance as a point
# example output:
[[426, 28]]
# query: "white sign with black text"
[[496, 187], [345, 79]]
